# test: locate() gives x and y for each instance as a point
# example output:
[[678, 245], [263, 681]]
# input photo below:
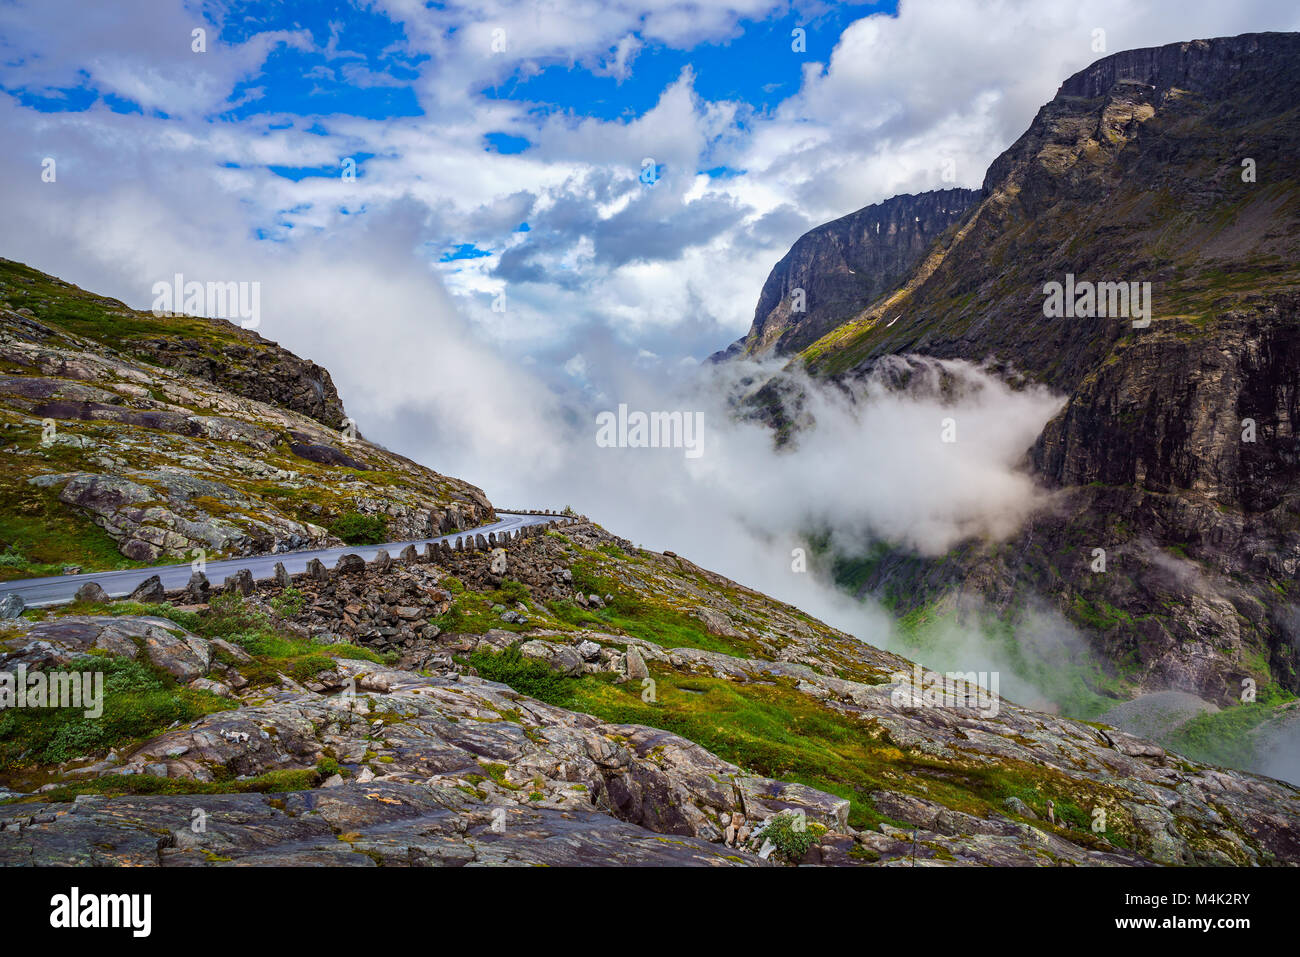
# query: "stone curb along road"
[[59, 589]]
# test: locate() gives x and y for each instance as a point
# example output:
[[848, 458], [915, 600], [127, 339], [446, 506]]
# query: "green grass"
[[115, 785], [523, 674], [274, 651], [631, 614], [1225, 737], [39, 535], [771, 729], [86, 314], [139, 701]]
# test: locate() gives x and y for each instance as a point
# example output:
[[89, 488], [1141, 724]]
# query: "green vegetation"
[[357, 529], [632, 614], [274, 651], [114, 785], [104, 320], [289, 602], [791, 836], [139, 701], [772, 729], [39, 535], [523, 674], [1226, 737]]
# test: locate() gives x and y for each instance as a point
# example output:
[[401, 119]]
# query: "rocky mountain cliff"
[[128, 438], [835, 271], [561, 698], [1176, 450]]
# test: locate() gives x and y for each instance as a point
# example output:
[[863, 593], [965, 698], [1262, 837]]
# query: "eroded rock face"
[[49, 644], [428, 727], [464, 732], [845, 265], [261, 370]]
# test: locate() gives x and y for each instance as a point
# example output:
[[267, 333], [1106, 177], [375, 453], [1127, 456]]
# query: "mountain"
[[561, 697], [174, 434], [841, 267], [1176, 449]]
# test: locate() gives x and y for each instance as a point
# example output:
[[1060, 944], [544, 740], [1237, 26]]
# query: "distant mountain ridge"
[[843, 266], [1177, 449]]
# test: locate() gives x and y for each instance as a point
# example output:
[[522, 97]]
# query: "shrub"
[[523, 674], [138, 701], [357, 529], [229, 615], [791, 836], [289, 602], [511, 591]]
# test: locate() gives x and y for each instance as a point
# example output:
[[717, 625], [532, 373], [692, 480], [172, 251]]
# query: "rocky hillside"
[[1175, 452], [568, 699], [838, 269], [126, 439]]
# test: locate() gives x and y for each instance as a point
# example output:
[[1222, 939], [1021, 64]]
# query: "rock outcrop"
[[165, 443], [840, 268]]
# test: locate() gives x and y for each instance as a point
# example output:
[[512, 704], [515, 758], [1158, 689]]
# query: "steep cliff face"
[[1176, 452], [843, 266]]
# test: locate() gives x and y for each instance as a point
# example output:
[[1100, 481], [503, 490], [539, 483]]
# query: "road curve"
[[57, 589]]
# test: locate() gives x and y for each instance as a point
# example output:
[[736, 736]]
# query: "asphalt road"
[[57, 589]]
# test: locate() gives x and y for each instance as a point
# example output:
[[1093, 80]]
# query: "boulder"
[[198, 590], [12, 605], [634, 665], [241, 582], [91, 592], [150, 591], [57, 641], [214, 687], [716, 622], [350, 564]]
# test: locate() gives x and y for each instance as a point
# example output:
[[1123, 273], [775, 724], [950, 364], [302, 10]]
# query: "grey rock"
[[241, 583], [91, 592], [11, 605], [634, 665], [150, 591]]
